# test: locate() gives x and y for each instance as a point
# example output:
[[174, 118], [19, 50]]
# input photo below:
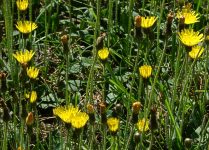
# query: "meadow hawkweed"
[[103, 53], [147, 22], [113, 124], [29, 119], [24, 57], [79, 120], [26, 27], [32, 72], [66, 113], [188, 14], [32, 96], [22, 4], [145, 71], [196, 51], [143, 125], [189, 37]]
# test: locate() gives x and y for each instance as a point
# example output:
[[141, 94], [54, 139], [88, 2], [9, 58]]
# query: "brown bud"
[[100, 41], [6, 111], [153, 118], [137, 137], [3, 77], [136, 106], [102, 107], [181, 23], [65, 39], [29, 119], [188, 143], [90, 109], [137, 21]]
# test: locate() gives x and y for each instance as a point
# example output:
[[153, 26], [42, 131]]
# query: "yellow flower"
[[103, 53], [32, 72], [196, 51], [32, 96], [189, 37], [113, 124], [147, 22], [22, 4], [79, 120], [29, 119], [188, 14], [142, 125], [24, 57], [66, 113], [26, 27], [145, 71]]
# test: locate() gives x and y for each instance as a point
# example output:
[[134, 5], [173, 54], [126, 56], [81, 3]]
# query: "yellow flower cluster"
[[23, 57], [26, 27], [31, 96], [103, 53], [145, 71], [71, 115], [22, 5]]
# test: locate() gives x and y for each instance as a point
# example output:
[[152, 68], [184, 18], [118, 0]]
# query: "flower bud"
[[137, 137], [188, 143], [153, 118], [29, 119], [136, 106], [90, 111]]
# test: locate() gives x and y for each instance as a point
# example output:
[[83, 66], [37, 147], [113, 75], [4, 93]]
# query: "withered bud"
[[188, 143], [181, 23], [6, 111], [102, 108], [65, 39], [137, 137], [3, 77], [90, 109], [137, 21], [30, 119], [118, 108], [136, 106], [153, 118], [100, 41], [170, 17]]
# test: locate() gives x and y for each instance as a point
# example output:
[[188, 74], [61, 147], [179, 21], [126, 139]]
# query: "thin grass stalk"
[[37, 127], [130, 136], [104, 134], [89, 87], [50, 141], [91, 143], [5, 136], [110, 22], [113, 143]]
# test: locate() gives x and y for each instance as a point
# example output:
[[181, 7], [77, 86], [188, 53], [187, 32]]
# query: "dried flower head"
[[137, 21]]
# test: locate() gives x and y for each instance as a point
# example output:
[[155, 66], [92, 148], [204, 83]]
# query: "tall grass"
[[173, 100]]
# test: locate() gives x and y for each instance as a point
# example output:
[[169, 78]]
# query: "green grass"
[[73, 73]]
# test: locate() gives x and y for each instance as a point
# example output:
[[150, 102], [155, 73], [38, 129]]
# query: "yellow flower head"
[[79, 120], [190, 38], [147, 22], [143, 125], [66, 113], [22, 4], [196, 51], [113, 124], [24, 57], [103, 53], [188, 14], [145, 71], [32, 96], [32, 72], [26, 27]]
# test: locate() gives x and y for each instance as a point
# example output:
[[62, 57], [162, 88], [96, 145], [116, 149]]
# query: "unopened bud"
[[137, 137], [136, 106], [188, 143], [30, 119], [137, 21]]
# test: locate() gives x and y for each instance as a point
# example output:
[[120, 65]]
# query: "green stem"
[[5, 136]]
